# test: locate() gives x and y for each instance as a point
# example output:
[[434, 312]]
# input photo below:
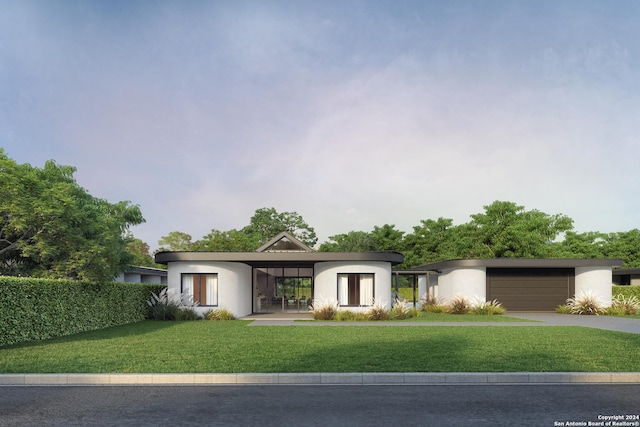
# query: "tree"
[[267, 223], [507, 230], [430, 241], [141, 254], [52, 227], [225, 241], [353, 241], [176, 241], [387, 238]]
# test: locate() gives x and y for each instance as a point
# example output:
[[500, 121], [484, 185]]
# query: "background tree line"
[[504, 230], [51, 227]]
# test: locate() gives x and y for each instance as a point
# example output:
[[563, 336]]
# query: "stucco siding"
[[326, 280], [234, 283], [596, 280], [470, 282]]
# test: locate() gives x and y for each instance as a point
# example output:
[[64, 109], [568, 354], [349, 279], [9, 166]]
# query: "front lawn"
[[210, 347]]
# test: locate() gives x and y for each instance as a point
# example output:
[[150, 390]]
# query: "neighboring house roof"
[[625, 271], [267, 259], [147, 270], [521, 263]]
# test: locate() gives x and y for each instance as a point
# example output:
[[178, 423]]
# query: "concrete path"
[[609, 323]]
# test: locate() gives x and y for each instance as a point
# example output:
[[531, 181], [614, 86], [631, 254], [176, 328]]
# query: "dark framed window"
[[202, 287], [355, 289]]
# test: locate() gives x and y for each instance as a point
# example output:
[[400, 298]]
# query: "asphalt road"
[[318, 405]]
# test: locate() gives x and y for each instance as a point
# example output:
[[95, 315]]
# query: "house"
[[143, 275], [518, 283], [284, 275], [626, 276]]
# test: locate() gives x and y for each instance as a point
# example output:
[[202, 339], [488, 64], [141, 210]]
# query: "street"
[[319, 405]]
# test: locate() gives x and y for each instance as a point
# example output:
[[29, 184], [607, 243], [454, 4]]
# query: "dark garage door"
[[530, 289]]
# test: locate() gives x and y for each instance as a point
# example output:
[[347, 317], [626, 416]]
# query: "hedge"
[[627, 291], [36, 309]]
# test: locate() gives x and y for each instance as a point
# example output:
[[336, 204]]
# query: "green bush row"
[[35, 309], [627, 291]]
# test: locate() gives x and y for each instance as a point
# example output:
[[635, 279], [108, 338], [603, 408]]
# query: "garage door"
[[530, 289]]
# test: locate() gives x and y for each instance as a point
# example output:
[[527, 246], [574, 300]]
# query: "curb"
[[326, 378]]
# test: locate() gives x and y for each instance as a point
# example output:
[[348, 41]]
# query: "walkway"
[[609, 323]]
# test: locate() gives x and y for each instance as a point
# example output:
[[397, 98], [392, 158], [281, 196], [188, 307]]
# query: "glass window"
[[203, 288], [355, 289]]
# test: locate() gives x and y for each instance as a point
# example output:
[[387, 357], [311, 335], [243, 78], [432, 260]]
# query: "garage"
[[519, 284], [530, 289]]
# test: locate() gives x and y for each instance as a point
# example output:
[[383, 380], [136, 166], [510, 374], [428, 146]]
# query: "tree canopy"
[[52, 227], [265, 224]]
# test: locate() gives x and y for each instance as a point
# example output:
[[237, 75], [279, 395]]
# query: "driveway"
[[610, 323]]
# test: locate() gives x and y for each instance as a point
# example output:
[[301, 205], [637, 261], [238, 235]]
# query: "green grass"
[[198, 347]]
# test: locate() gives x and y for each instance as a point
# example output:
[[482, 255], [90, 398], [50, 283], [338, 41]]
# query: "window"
[[355, 289], [202, 287]]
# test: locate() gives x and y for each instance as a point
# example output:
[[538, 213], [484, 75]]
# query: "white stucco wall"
[[596, 280], [470, 282], [422, 288], [326, 280], [234, 283]]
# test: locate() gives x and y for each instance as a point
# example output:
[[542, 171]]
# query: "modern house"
[[518, 283], [283, 275]]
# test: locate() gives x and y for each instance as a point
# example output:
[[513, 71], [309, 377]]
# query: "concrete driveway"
[[610, 323]]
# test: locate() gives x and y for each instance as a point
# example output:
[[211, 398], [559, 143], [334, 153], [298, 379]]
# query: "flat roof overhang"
[[279, 259], [519, 263]]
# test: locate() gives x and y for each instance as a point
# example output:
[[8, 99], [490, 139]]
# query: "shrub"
[[351, 316], [615, 311], [586, 303], [428, 300], [627, 291], [459, 305], [219, 314], [377, 311], [487, 308], [435, 308], [400, 310], [166, 306], [625, 304], [324, 309], [563, 309], [35, 309]]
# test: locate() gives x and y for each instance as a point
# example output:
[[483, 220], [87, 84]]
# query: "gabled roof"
[[284, 242]]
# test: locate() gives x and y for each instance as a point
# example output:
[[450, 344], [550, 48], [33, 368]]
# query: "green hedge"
[[35, 309], [627, 291]]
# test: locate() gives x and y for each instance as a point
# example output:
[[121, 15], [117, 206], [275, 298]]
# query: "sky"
[[353, 114]]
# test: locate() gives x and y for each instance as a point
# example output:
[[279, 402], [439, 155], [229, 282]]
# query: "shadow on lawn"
[[111, 332]]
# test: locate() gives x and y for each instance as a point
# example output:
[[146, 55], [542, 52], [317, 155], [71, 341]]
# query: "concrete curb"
[[325, 378]]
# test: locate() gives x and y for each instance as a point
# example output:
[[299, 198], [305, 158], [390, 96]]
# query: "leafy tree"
[[226, 241], [267, 223], [581, 245], [141, 254], [625, 246], [176, 241], [387, 238], [430, 241], [51, 227], [507, 230], [353, 241]]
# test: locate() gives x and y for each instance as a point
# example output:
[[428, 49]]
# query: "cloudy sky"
[[351, 113]]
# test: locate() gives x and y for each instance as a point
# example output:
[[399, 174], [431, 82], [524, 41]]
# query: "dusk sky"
[[351, 113]]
